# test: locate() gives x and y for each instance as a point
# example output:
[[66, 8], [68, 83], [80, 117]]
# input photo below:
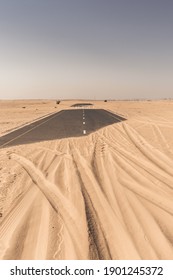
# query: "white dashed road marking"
[[84, 131]]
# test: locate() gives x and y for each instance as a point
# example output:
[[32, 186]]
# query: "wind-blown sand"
[[104, 196]]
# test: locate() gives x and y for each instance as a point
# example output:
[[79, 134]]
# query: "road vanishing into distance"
[[63, 124]]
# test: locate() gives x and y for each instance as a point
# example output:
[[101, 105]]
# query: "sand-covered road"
[[64, 124], [106, 195]]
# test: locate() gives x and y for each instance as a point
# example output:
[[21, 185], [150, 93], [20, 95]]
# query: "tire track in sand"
[[13, 222], [151, 229], [141, 163], [149, 151], [112, 228], [59, 202], [129, 217]]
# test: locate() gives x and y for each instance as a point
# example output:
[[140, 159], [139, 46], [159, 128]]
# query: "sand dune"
[[104, 196]]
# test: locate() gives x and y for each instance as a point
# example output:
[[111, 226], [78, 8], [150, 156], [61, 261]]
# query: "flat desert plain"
[[105, 195]]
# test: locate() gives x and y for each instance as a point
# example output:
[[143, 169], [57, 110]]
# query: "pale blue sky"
[[86, 49]]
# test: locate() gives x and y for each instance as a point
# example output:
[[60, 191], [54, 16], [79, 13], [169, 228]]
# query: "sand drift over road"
[[107, 195]]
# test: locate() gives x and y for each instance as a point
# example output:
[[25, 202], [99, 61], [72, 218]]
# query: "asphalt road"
[[66, 123], [82, 104]]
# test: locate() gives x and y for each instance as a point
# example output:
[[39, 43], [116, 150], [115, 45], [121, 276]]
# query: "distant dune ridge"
[[107, 195]]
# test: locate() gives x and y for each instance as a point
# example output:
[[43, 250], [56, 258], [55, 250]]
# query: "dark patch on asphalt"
[[64, 124], [81, 104]]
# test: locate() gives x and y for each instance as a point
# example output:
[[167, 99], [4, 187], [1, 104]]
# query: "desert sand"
[[107, 195]]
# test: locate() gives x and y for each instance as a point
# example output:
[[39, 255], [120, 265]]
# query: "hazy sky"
[[86, 49]]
